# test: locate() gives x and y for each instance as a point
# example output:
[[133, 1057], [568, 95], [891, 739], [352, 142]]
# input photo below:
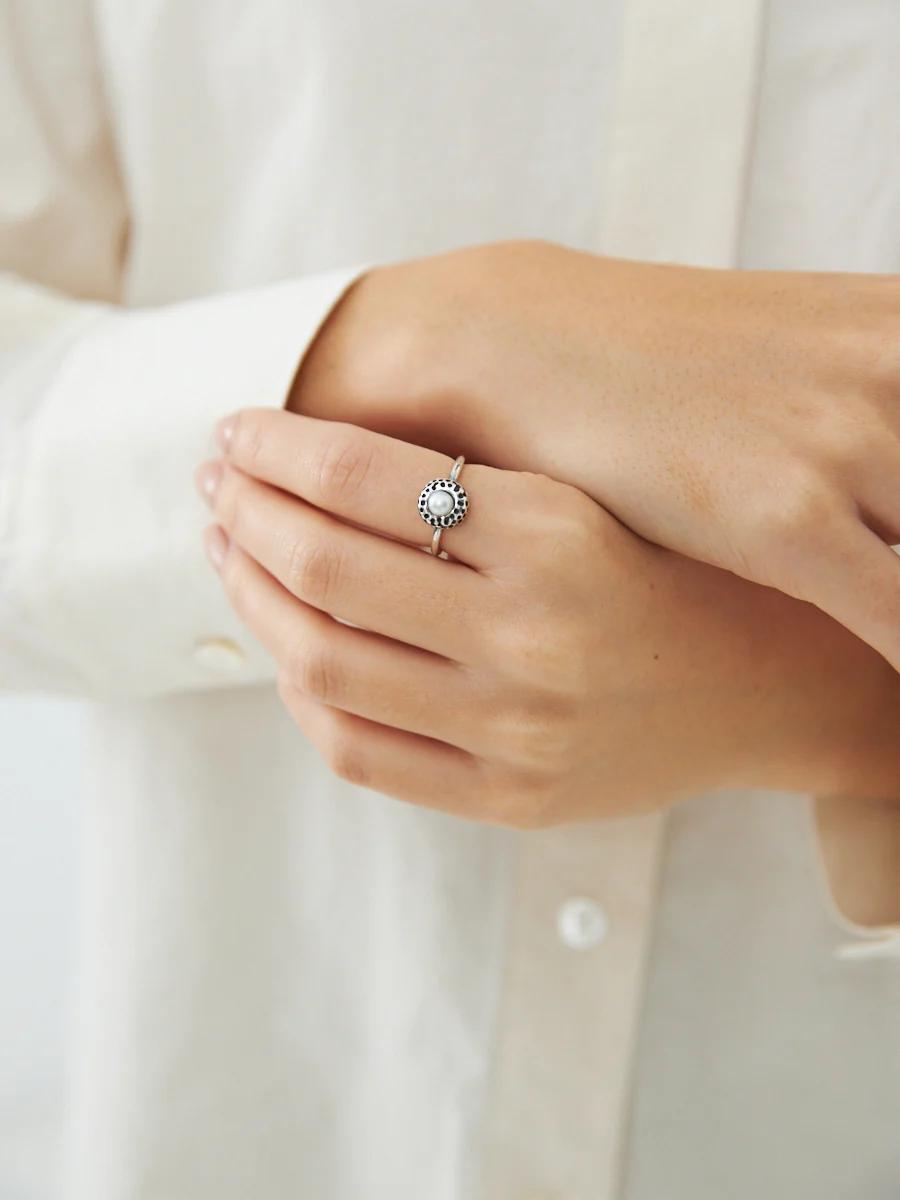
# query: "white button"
[[219, 654], [581, 923]]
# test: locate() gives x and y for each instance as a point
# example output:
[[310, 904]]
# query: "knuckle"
[[786, 526], [313, 571], [345, 468], [584, 527], [563, 525], [316, 672], [537, 736], [847, 440], [805, 507], [545, 741], [342, 753], [788, 509], [571, 507], [520, 801], [539, 497]]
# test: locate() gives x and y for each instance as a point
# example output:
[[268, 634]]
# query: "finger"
[[372, 480], [391, 761], [364, 579], [858, 584], [351, 669]]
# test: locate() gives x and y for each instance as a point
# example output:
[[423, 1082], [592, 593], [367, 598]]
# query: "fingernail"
[[215, 542], [208, 478], [224, 433]]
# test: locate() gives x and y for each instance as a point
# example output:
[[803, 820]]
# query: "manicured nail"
[[224, 433], [208, 478], [215, 541]]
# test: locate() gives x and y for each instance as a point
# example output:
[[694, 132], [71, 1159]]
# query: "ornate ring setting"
[[443, 503]]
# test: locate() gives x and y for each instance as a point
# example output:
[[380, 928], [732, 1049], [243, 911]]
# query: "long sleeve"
[[104, 411], [105, 586]]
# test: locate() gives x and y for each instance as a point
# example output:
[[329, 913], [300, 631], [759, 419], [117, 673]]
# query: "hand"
[[746, 419], [557, 668]]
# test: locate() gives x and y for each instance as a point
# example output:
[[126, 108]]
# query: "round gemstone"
[[440, 503]]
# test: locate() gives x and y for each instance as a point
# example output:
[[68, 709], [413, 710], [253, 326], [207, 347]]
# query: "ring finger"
[[357, 576], [373, 480]]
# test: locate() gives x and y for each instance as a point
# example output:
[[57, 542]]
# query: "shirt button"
[[219, 655], [581, 923]]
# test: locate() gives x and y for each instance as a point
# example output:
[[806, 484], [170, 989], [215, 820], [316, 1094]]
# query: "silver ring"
[[442, 503]]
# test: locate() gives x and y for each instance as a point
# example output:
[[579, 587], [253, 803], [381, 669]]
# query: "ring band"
[[442, 503]]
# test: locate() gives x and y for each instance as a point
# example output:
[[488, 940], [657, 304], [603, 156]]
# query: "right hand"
[[750, 420], [556, 669]]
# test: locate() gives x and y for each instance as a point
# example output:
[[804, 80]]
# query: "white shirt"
[[290, 987]]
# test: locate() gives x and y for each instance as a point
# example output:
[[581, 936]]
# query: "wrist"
[[318, 389], [832, 706], [413, 350]]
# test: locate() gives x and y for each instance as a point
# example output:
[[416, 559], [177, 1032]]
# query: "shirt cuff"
[[104, 564]]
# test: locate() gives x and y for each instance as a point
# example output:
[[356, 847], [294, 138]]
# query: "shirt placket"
[[584, 897], [577, 940]]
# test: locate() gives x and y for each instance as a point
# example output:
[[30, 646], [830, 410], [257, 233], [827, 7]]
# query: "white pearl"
[[440, 504]]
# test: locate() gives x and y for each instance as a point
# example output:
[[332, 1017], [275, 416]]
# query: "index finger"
[[367, 478]]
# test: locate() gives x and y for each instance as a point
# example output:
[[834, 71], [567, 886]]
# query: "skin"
[[750, 420], [558, 668], [745, 418], [860, 843]]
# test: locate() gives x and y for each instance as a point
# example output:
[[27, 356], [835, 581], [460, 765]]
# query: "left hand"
[[556, 668], [748, 419]]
